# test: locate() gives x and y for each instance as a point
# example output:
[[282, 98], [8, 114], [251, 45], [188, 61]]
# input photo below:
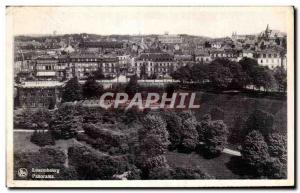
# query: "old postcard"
[[150, 96]]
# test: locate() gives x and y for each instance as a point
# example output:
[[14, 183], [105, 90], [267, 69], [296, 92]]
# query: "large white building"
[[154, 64], [271, 59]]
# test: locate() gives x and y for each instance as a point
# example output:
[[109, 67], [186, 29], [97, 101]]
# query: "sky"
[[203, 21]]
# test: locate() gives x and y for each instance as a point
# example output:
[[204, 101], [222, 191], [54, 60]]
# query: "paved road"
[[231, 152]]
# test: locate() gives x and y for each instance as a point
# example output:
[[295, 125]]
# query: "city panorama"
[[150, 106]]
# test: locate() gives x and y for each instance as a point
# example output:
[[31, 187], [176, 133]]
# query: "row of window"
[[153, 64], [269, 55], [277, 61]]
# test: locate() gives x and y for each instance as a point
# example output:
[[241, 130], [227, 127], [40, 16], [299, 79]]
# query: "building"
[[45, 67], [227, 54], [271, 58], [101, 46], [246, 54], [39, 94], [154, 65], [170, 39], [84, 64], [203, 56], [183, 59]]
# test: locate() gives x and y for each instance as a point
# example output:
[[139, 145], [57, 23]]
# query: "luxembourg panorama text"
[[146, 101]]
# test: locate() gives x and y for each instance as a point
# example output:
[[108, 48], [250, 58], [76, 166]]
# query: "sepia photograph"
[[157, 96]]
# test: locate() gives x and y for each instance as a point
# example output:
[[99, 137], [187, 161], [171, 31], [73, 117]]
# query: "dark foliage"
[[91, 89], [42, 138], [71, 91]]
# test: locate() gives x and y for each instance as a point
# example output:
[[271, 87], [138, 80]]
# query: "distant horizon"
[[212, 22], [58, 34]]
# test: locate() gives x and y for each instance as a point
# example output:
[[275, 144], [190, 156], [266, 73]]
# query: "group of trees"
[[265, 157], [225, 74], [264, 150], [73, 91], [186, 133]]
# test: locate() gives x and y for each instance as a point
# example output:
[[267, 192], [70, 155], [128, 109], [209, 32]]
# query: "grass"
[[215, 167], [22, 143], [235, 105]]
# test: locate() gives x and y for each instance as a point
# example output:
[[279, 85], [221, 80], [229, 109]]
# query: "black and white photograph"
[[157, 96]]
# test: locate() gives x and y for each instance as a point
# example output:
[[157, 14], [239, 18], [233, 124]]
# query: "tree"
[[199, 72], [71, 91], [170, 89], [66, 122], [275, 169], [219, 73], [239, 76], [132, 87], [182, 74], [216, 135], [277, 145], [270, 81], [202, 126], [189, 134], [248, 66], [264, 78], [280, 76], [94, 165], [153, 138], [174, 127], [98, 74], [41, 119], [181, 173], [91, 89], [261, 121], [255, 151]]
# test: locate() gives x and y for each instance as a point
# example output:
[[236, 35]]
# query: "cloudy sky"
[[205, 21]]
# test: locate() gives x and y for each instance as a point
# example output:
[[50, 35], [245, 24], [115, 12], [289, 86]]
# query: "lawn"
[[215, 166], [235, 105], [22, 143]]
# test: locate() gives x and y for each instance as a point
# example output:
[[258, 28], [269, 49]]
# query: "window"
[[264, 55], [270, 56]]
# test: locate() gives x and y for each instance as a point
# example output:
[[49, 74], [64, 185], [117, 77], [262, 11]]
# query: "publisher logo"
[[22, 172]]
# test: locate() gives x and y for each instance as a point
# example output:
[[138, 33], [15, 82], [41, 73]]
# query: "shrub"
[[261, 121], [202, 126], [277, 146], [160, 173], [44, 158], [174, 127], [42, 138], [105, 139], [216, 135], [180, 173], [255, 151], [92, 165], [275, 169], [189, 135], [153, 138]]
